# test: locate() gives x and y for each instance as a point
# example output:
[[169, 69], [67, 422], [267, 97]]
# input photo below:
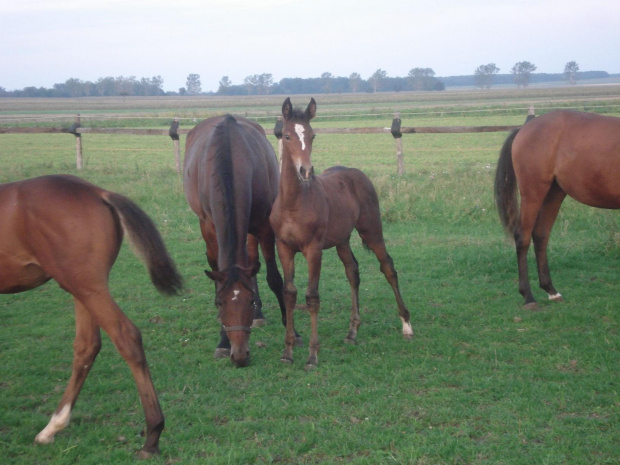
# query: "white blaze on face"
[[236, 294], [299, 130]]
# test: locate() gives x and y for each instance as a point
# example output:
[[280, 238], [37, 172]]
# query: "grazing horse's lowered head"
[[298, 136], [235, 304]]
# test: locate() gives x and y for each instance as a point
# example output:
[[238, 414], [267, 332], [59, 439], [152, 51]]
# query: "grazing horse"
[[313, 213], [558, 154], [231, 181], [66, 229]]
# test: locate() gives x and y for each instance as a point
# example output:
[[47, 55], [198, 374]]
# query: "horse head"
[[297, 136], [235, 303]]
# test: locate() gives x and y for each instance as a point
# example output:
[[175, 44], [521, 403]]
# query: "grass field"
[[483, 381]]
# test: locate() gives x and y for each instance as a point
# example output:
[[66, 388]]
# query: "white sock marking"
[[555, 296], [407, 329], [57, 423], [299, 129]]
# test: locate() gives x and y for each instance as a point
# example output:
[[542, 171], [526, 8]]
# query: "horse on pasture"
[[231, 181], [558, 154], [313, 213], [64, 228]]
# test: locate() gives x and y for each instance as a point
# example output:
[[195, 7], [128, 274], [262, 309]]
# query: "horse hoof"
[[258, 323], [222, 353], [408, 337], [533, 306], [286, 360], [310, 366], [145, 454], [299, 342], [348, 340], [556, 298]]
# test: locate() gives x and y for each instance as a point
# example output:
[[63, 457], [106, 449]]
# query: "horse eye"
[[287, 137]]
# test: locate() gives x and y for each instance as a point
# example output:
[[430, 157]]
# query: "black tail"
[[147, 243], [506, 187]]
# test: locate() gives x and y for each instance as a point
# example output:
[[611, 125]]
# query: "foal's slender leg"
[[287, 259], [352, 271], [388, 270], [314, 256], [128, 341], [540, 235], [86, 346], [274, 278]]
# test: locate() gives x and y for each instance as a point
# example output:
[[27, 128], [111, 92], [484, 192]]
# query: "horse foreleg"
[[287, 259], [540, 235], [86, 346], [351, 269], [128, 341], [207, 228], [314, 256], [253, 260], [274, 278]]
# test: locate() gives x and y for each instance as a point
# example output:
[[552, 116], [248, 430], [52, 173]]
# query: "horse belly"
[[19, 276], [596, 183]]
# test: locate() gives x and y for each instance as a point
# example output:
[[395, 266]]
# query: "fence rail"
[[174, 132]]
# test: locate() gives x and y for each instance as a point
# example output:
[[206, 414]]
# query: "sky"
[[45, 42]]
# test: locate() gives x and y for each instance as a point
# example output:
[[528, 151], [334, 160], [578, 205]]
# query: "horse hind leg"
[[127, 339], [86, 346], [540, 236], [388, 270], [352, 271]]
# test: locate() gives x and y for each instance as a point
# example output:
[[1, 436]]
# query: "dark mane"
[[224, 178], [298, 114]]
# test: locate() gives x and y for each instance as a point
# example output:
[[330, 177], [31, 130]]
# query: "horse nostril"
[[311, 172], [302, 171]]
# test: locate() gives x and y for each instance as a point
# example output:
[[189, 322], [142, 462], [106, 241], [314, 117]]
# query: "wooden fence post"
[[174, 135], [530, 114], [78, 142], [277, 131], [395, 130]]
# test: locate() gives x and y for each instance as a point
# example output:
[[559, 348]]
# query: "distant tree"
[[483, 76], [376, 79], [522, 71], [354, 82], [193, 84], [327, 82], [570, 72], [225, 84], [422, 78], [182, 91]]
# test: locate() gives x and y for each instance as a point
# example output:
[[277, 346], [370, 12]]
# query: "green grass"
[[483, 381]]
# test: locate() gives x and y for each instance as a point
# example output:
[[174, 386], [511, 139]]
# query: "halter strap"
[[247, 329]]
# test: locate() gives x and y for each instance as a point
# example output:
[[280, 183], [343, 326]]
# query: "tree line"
[[418, 79]]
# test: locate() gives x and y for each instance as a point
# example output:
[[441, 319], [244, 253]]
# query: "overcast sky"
[[44, 42]]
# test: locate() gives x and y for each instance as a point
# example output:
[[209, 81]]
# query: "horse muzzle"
[[305, 174]]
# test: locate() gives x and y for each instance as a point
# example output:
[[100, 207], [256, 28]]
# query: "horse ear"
[[287, 108], [311, 110], [215, 275]]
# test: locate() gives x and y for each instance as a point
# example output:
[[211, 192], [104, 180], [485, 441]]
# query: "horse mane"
[[224, 178], [298, 114]]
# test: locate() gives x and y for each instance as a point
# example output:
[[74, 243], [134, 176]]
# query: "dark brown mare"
[[66, 229], [557, 154], [231, 181], [313, 213]]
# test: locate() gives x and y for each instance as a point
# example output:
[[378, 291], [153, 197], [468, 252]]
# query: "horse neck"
[[290, 186]]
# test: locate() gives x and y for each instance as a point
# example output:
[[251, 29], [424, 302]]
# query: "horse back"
[[580, 151], [54, 226]]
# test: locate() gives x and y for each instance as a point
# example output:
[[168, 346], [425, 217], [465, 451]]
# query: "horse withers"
[[231, 180], [316, 212], [63, 228], [558, 154]]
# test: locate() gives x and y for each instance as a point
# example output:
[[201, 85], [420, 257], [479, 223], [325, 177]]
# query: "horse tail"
[[146, 243], [506, 187]]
